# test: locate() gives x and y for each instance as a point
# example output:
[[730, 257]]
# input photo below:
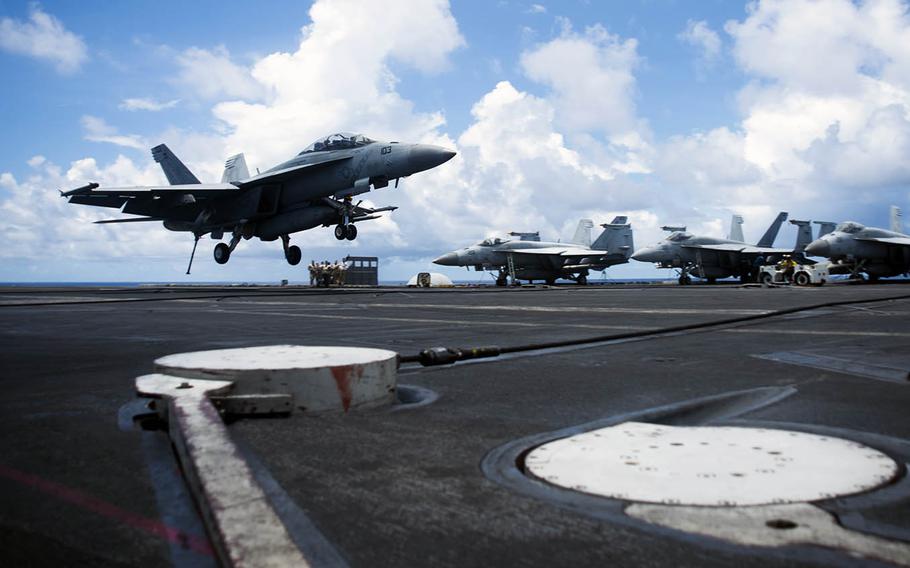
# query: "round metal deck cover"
[[318, 378], [707, 465]]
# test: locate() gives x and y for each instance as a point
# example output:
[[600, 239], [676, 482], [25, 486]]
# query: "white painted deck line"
[[709, 466], [496, 308], [242, 525], [318, 378], [755, 526]]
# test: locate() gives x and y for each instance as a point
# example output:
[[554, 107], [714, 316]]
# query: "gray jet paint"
[[548, 261], [710, 257], [313, 188], [877, 252]]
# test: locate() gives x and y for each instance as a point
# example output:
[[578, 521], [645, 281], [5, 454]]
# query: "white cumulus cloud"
[[700, 35], [147, 104], [43, 37], [97, 130]]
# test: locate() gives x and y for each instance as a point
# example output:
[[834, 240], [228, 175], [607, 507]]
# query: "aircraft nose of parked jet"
[[819, 247], [649, 254], [448, 259], [425, 156]]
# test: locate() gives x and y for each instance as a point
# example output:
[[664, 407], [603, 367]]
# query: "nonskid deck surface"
[[412, 487]]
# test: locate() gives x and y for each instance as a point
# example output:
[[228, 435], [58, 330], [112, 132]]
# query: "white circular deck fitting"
[[318, 378], [707, 465]]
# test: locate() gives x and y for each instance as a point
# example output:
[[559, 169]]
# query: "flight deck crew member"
[[756, 267]]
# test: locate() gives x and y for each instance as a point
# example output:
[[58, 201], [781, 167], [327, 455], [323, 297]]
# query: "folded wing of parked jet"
[[902, 241], [737, 247]]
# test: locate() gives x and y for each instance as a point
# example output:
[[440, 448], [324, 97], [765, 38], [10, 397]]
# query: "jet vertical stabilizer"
[[174, 170], [824, 227], [736, 229], [803, 234], [767, 239], [616, 238], [235, 169], [896, 225], [583, 233]]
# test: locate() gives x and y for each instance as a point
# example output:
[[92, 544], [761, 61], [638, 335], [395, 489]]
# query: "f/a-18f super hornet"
[[529, 258], [314, 188], [710, 257], [877, 252]]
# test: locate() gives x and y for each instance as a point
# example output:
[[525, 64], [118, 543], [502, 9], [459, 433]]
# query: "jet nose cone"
[[646, 255], [819, 247], [424, 157], [448, 259]]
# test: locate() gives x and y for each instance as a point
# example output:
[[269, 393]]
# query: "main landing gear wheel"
[[500, 281], [222, 253], [551, 281], [685, 280], [350, 232], [293, 255], [340, 232], [582, 280]]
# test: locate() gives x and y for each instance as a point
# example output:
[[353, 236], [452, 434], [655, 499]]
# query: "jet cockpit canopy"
[[679, 236], [337, 141], [492, 242], [849, 227]]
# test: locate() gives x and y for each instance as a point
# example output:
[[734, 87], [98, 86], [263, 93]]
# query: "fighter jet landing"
[[316, 187]]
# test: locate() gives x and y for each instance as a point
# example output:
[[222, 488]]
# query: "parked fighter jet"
[[709, 257], [532, 259], [876, 252], [314, 188]]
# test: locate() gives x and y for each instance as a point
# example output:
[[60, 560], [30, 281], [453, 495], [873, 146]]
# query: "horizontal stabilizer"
[[235, 169], [174, 170]]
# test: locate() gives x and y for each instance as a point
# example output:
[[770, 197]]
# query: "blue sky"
[[670, 112]]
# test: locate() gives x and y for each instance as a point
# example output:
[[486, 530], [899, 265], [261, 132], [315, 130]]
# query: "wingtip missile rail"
[[80, 190]]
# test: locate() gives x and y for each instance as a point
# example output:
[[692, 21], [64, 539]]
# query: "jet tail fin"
[[824, 227], [174, 170], [616, 238], [803, 234], [235, 169], [896, 224], [767, 239], [583, 233], [736, 229]]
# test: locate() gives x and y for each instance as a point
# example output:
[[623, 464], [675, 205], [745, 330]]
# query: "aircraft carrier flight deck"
[[453, 473]]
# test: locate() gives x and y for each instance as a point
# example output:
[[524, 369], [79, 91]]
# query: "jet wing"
[[117, 196], [280, 175], [903, 241]]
